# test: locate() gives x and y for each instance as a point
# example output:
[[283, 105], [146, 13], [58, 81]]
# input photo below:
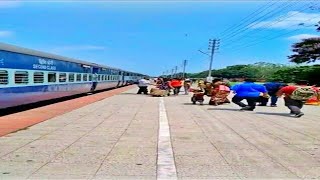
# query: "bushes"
[[266, 72]]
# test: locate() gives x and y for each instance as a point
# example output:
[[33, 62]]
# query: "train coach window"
[[62, 77], [90, 77], [21, 77], [85, 77], [38, 77], [78, 77], [71, 77], [3, 77], [99, 77], [52, 77]]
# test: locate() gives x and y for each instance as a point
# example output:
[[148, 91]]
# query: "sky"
[[152, 37]]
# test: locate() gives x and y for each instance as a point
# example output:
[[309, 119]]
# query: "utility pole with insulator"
[[184, 68], [213, 45]]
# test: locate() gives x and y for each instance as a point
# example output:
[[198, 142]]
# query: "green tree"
[[306, 51]]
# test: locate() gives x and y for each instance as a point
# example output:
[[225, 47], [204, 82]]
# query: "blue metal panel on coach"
[[15, 96], [23, 61]]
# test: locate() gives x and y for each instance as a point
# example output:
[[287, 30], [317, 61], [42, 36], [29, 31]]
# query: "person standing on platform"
[[250, 92], [187, 86], [176, 84], [296, 96], [143, 86]]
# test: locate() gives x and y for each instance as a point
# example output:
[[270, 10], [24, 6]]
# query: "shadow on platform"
[[225, 109], [193, 104], [274, 114]]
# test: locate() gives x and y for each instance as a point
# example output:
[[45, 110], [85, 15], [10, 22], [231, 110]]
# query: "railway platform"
[[130, 136]]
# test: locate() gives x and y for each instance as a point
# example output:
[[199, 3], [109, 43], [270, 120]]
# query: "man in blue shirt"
[[249, 91], [272, 87]]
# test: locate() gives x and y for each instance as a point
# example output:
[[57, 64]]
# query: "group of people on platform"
[[218, 90], [294, 95], [170, 85]]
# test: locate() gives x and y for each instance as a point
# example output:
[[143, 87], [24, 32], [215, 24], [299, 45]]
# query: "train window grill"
[[38, 77], [52, 77], [3, 77], [85, 77], [21, 77], [71, 77], [90, 77], [78, 77], [62, 77]]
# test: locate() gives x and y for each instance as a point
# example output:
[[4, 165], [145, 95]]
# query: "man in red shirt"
[[295, 96], [176, 84]]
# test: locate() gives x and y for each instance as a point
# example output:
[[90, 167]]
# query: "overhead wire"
[[274, 37], [232, 28], [271, 35], [244, 20], [259, 19], [268, 25]]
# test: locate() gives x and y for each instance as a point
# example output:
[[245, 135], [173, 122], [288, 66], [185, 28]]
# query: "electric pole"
[[175, 70], [213, 45], [184, 68], [172, 73]]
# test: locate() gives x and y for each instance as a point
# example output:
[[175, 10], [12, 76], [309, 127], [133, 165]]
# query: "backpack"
[[303, 93]]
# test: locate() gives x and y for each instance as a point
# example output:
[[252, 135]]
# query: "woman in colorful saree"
[[220, 92]]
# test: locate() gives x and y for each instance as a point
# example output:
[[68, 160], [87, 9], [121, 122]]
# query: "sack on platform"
[[158, 92]]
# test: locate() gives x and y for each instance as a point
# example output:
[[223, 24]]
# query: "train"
[[29, 76]]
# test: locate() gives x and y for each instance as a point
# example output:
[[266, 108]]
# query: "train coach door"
[[94, 78], [122, 78], [119, 79]]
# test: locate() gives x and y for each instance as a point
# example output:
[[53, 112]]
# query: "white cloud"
[[5, 34], [292, 19], [9, 4], [79, 48], [303, 36]]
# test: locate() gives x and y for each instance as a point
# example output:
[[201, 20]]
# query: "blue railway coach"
[[28, 76]]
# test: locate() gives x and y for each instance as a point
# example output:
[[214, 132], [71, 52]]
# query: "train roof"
[[16, 49]]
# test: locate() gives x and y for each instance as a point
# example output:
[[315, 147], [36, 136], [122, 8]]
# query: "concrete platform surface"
[[130, 136]]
